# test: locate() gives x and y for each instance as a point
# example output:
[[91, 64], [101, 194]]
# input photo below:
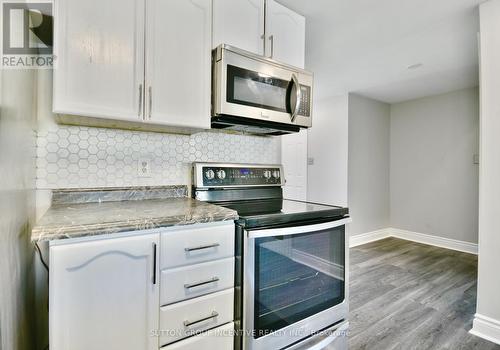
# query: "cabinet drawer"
[[186, 246], [220, 338], [194, 280], [183, 319]]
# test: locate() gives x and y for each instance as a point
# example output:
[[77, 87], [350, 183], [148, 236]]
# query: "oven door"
[[254, 87], [295, 283]]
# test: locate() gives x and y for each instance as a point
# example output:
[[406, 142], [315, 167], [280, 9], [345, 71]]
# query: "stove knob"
[[209, 174], [267, 174], [221, 174], [276, 174]]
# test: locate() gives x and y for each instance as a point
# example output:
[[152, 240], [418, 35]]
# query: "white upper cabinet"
[[178, 62], [285, 34], [149, 61], [239, 23], [99, 69], [262, 27], [145, 61], [104, 294]]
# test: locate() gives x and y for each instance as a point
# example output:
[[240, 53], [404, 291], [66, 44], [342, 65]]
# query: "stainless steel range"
[[291, 270]]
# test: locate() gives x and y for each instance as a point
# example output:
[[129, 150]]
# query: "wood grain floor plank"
[[407, 295], [382, 334]]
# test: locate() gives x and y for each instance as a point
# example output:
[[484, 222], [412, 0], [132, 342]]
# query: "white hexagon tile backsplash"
[[82, 157]]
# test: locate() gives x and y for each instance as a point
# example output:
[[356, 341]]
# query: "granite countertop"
[[70, 220]]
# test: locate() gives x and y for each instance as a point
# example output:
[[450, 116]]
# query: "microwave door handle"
[[298, 97]]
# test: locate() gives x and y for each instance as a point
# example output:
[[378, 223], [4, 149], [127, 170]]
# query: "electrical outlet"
[[144, 168], [310, 161], [475, 159]]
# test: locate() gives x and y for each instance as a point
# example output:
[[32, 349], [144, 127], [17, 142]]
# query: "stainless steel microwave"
[[255, 94]]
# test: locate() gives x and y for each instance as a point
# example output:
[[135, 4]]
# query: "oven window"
[[250, 88], [297, 276]]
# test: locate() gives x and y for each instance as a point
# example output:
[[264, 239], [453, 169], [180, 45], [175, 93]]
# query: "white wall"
[[17, 167], [487, 321], [369, 150], [434, 183], [328, 145], [294, 161]]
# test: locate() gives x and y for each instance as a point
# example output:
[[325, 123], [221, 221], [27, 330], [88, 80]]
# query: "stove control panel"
[[228, 175]]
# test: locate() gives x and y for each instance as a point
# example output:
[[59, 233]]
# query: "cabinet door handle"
[[139, 114], [214, 314], [150, 90], [198, 284], [154, 263], [202, 247], [271, 39]]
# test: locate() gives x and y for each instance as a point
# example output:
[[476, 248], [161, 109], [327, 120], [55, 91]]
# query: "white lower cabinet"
[[220, 338], [191, 245], [184, 319], [103, 294], [192, 281]]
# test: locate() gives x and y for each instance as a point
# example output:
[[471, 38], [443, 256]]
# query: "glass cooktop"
[[270, 212]]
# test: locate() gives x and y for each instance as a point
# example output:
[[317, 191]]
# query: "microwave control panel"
[[305, 101], [236, 176]]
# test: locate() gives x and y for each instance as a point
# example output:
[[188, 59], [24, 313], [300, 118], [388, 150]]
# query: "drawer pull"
[[197, 284], [202, 247], [190, 323]]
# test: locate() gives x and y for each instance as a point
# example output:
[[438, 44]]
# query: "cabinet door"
[[285, 34], [178, 67], [239, 23], [102, 294], [99, 69]]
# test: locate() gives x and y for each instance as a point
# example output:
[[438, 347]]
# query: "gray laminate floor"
[[406, 295]]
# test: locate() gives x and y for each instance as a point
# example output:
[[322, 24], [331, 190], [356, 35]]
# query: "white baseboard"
[[486, 327], [437, 241], [368, 237]]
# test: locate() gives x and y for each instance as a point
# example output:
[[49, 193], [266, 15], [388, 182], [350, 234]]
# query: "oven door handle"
[[294, 230], [314, 344]]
